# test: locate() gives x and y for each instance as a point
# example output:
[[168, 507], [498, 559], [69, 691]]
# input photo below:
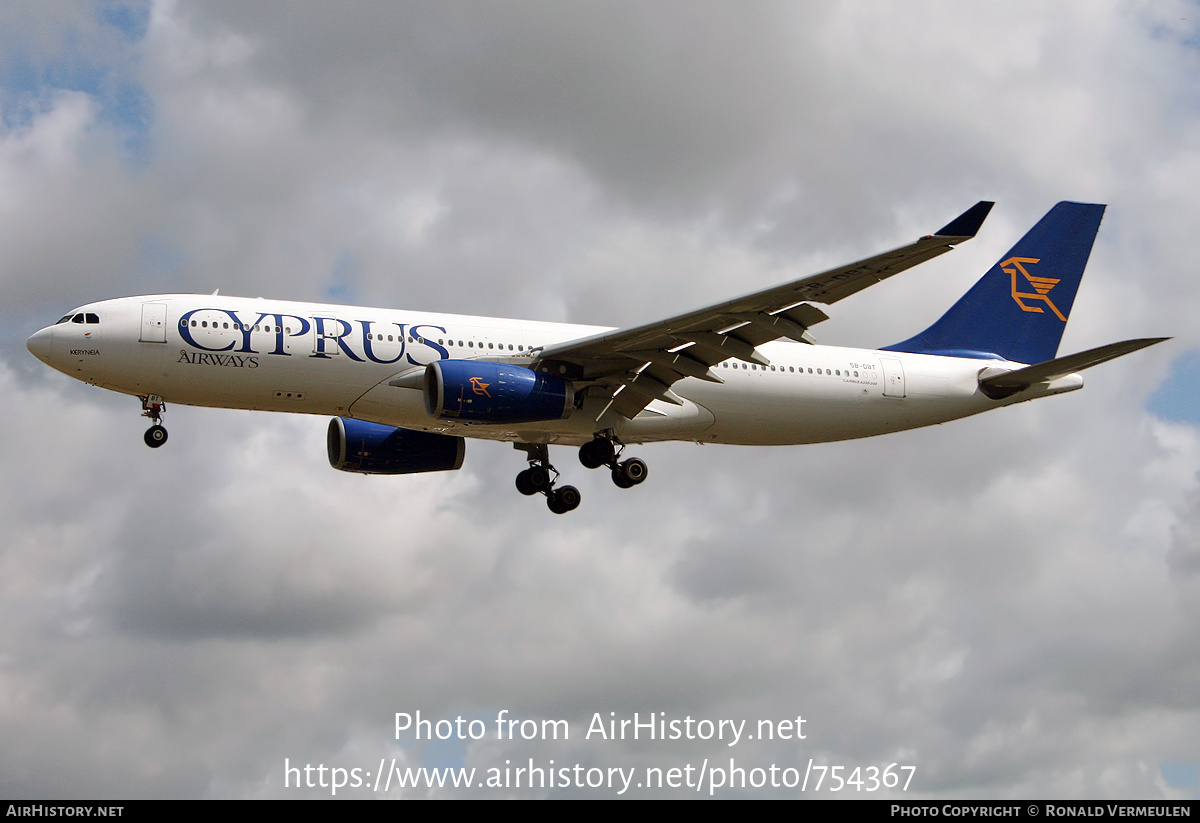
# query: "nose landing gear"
[[154, 408]]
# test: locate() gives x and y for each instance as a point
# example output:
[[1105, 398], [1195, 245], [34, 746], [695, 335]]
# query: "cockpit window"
[[90, 318]]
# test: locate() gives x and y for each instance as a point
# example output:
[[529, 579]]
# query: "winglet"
[[967, 224]]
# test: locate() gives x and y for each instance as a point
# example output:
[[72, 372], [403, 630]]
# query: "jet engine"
[[477, 391], [370, 448]]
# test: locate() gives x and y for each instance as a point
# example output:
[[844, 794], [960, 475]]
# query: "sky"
[[1008, 604]]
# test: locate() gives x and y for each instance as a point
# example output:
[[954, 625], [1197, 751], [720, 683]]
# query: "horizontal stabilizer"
[[1062, 366]]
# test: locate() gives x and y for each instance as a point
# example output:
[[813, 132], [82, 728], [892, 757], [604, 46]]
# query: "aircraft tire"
[[539, 478], [561, 501], [155, 436], [525, 483], [596, 453], [634, 470]]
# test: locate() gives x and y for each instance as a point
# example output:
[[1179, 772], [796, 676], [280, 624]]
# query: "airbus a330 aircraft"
[[406, 388]]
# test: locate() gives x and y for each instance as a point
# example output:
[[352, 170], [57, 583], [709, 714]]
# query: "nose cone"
[[40, 344]]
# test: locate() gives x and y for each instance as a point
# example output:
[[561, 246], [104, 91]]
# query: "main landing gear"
[[154, 407], [540, 477], [602, 451], [537, 479]]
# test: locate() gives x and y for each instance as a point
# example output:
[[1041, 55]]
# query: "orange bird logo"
[[1041, 285], [479, 387]]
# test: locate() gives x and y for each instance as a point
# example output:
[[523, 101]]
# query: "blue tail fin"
[[1019, 309]]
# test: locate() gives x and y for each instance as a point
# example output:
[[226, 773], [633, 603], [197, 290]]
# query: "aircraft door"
[[154, 323], [326, 333], [893, 377]]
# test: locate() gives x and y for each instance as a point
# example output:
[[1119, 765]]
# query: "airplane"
[[406, 388]]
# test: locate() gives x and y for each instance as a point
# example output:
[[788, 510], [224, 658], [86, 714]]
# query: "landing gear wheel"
[[596, 453], [153, 407], [539, 478], [523, 484], [533, 480], [155, 436], [561, 501], [635, 469], [630, 473]]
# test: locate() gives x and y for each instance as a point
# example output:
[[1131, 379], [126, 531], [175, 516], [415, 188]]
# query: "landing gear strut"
[[540, 478], [154, 408], [603, 451]]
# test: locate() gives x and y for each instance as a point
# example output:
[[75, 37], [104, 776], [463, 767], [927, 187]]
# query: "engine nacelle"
[[370, 448], [477, 391]]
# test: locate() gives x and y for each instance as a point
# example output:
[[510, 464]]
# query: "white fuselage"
[[244, 353]]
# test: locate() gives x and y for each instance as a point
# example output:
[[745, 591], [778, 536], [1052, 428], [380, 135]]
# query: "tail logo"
[[1041, 285]]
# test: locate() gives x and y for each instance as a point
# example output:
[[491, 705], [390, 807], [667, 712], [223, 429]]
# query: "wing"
[[641, 364]]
